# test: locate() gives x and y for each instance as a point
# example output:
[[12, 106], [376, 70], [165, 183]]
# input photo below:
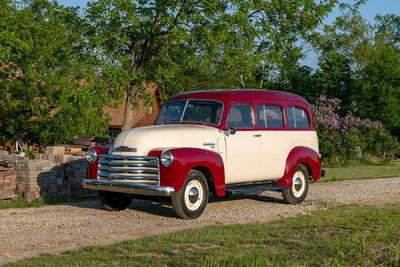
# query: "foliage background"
[[60, 66]]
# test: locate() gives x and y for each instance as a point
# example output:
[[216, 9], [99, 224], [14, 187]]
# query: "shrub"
[[348, 138]]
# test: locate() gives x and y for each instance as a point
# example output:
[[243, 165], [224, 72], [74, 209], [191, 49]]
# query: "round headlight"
[[91, 155], [166, 158]]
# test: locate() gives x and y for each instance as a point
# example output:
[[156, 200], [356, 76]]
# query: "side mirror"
[[232, 130]]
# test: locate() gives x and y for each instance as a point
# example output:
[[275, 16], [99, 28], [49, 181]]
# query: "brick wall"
[[8, 183]]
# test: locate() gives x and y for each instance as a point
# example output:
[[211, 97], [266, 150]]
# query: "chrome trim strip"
[[128, 157], [147, 171], [184, 109], [128, 187], [127, 177], [130, 164]]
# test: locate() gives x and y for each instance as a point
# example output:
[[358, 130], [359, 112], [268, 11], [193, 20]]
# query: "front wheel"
[[191, 200], [114, 201], [298, 192]]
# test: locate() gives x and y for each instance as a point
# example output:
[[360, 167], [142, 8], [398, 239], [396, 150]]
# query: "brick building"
[[144, 116]]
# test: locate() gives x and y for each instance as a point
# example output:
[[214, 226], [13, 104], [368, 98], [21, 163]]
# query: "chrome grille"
[[130, 168]]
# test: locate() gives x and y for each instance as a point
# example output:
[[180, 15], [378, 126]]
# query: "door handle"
[[257, 135]]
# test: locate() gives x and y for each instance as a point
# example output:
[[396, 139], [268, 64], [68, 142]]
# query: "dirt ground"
[[29, 232]]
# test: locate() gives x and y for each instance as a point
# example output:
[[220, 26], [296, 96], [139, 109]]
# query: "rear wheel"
[[114, 201], [298, 192], [191, 200]]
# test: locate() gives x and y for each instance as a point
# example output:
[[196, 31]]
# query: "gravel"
[[29, 232]]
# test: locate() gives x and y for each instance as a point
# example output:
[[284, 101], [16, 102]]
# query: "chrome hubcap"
[[193, 195], [298, 184]]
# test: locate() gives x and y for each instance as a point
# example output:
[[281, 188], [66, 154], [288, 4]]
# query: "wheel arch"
[[301, 155], [207, 162], [209, 177]]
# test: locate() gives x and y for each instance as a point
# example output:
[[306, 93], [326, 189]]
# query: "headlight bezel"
[[166, 158], [91, 155]]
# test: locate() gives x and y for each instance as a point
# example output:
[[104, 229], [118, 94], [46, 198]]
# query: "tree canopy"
[[60, 66], [48, 88]]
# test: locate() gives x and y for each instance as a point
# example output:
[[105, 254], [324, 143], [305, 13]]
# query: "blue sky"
[[369, 11]]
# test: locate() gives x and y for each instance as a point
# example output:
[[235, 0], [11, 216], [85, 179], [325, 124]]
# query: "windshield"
[[196, 111]]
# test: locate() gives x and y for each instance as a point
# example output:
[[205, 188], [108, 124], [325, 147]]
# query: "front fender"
[[300, 155], [186, 159], [93, 166]]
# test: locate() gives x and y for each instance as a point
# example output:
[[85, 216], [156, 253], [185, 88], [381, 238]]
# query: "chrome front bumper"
[[128, 187]]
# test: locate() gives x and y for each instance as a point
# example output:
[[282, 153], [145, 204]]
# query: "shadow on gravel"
[[257, 197], [164, 209], [161, 209]]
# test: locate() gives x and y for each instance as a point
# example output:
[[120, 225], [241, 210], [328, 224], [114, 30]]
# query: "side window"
[[269, 117], [297, 118], [240, 116]]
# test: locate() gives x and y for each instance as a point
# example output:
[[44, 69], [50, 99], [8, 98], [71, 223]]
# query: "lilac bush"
[[349, 138]]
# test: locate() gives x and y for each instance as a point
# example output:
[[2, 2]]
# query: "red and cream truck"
[[219, 141]]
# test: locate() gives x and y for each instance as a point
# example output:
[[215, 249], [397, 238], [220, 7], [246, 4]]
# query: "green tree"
[[378, 89], [359, 61], [48, 85], [219, 42]]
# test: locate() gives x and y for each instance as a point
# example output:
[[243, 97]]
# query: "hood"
[[169, 136]]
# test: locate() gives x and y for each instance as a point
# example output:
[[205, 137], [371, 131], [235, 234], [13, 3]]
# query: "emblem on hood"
[[124, 149], [212, 145]]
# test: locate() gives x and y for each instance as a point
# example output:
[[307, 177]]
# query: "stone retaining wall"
[[50, 174]]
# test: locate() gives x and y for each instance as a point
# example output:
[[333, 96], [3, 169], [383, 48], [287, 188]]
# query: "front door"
[[243, 149]]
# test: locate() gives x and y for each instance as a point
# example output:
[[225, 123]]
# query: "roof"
[[240, 94]]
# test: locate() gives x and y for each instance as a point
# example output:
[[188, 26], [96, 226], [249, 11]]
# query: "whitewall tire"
[[298, 192], [191, 200]]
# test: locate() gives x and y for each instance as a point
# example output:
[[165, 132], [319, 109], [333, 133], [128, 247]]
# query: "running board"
[[251, 188]]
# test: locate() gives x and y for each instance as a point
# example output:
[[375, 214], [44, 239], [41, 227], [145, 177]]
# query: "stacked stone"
[[52, 173], [36, 177], [8, 183], [76, 170]]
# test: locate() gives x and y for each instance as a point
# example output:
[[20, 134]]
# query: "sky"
[[368, 11]]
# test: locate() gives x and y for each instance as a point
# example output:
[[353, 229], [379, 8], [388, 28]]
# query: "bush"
[[348, 138]]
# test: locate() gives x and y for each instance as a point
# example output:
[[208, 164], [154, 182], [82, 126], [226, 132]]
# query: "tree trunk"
[[128, 114], [262, 76]]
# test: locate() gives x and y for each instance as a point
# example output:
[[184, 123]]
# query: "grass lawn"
[[345, 235], [20, 202], [363, 171]]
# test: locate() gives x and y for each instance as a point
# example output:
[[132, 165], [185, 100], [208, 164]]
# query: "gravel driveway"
[[31, 231]]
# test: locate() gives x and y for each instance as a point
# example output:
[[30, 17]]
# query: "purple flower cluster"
[[327, 118], [347, 138]]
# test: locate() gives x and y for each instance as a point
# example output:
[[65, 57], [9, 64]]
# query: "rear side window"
[[297, 118], [240, 116], [269, 117]]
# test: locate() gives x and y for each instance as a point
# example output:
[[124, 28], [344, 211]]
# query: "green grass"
[[363, 171], [20, 202], [345, 235]]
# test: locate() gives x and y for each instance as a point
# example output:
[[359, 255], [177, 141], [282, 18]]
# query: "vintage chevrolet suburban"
[[220, 141]]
